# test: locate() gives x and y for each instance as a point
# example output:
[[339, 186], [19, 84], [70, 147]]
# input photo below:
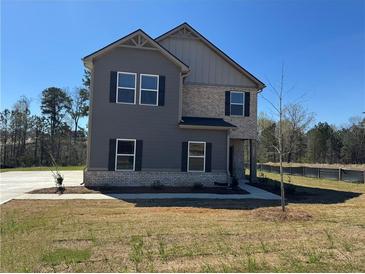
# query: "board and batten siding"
[[207, 67]]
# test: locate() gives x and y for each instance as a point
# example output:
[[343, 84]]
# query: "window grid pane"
[[125, 162], [196, 164], [125, 95], [148, 97], [237, 98], [126, 80], [237, 110], [196, 149], [149, 82], [125, 147]]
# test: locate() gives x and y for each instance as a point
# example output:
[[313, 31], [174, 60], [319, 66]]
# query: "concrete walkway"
[[258, 193], [254, 193], [15, 183]]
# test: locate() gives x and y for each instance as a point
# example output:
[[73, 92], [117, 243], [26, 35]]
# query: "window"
[[148, 90], [125, 154], [196, 156], [237, 103], [126, 88]]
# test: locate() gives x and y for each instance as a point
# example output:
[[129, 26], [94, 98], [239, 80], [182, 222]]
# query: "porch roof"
[[204, 122]]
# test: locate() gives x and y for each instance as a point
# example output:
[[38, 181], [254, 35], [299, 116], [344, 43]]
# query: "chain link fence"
[[347, 175]]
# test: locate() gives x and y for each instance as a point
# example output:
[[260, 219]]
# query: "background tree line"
[[302, 142], [30, 140]]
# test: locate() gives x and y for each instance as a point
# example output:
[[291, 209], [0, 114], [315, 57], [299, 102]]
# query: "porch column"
[[238, 163], [253, 174]]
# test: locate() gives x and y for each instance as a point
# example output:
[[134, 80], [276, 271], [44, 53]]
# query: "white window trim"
[[134, 155], [204, 156], [156, 90], [134, 89], [237, 104]]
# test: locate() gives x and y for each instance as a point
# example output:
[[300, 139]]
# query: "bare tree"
[[79, 107], [278, 108], [4, 133]]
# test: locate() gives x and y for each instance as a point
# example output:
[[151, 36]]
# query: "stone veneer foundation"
[[146, 178]]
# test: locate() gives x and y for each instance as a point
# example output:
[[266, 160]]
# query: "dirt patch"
[[141, 189], [276, 214]]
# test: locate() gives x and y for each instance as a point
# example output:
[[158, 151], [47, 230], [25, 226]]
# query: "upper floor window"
[[125, 154], [126, 87], [149, 90], [237, 103], [196, 156]]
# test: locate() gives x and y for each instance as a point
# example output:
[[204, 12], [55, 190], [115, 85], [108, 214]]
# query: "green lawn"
[[317, 234], [41, 168]]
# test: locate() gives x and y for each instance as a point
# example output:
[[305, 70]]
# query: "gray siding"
[[156, 126], [207, 67]]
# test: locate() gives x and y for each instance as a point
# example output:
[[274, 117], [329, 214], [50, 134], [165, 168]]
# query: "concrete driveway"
[[15, 183]]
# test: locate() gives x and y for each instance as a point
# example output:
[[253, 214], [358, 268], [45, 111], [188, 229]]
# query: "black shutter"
[[139, 152], [112, 148], [228, 103], [184, 156], [208, 157], [113, 87], [247, 104], [161, 90]]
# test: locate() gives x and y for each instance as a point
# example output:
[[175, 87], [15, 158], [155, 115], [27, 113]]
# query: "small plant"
[[264, 247], [162, 250], [314, 257], [136, 254], [252, 265], [198, 185], [58, 177], [157, 185]]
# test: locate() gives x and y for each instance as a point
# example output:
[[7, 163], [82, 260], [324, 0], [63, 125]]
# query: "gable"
[[208, 64], [136, 40]]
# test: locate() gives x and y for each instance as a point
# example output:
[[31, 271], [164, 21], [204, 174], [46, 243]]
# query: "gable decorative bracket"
[[138, 41]]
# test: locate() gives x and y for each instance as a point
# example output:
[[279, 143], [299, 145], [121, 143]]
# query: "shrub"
[[157, 185]]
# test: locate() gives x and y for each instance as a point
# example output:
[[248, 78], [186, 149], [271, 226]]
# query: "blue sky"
[[321, 42]]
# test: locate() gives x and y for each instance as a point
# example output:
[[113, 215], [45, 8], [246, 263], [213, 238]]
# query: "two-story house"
[[174, 109]]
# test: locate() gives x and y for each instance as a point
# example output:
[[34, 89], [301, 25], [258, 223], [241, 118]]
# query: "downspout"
[[179, 114], [89, 126], [228, 144], [182, 76]]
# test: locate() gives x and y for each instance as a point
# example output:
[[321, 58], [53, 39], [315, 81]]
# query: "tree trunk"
[[75, 130], [35, 149], [282, 193]]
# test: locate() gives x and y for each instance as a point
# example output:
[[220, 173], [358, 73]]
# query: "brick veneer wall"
[[146, 178], [209, 101]]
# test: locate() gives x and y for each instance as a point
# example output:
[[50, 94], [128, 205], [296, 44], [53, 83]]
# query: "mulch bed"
[[138, 189]]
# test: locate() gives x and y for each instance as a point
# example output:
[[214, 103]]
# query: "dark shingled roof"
[[202, 121]]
